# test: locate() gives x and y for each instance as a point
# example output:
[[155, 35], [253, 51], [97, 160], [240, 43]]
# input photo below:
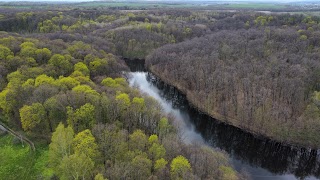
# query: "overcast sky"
[[171, 0]]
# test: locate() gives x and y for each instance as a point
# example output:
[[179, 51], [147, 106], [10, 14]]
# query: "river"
[[261, 158]]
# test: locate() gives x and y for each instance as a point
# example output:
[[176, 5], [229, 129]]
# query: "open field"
[[254, 6], [141, 5]]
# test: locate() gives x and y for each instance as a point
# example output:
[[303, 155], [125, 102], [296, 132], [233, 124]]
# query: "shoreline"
[[227, 120]]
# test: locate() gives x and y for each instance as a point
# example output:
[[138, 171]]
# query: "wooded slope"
[[263, 80]]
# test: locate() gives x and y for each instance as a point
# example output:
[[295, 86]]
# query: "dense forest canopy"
[[63, 86], [261, 74]]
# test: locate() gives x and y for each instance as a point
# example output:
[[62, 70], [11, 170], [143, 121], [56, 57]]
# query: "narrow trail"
[[17, 135]]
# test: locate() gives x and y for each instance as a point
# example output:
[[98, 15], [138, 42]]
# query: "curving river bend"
[[261, 158]]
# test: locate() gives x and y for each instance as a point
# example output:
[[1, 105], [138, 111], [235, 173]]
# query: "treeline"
[[135, 34], [264, 80]]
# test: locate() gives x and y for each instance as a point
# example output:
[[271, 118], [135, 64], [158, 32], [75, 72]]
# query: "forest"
[[264, 78], [63, 87]]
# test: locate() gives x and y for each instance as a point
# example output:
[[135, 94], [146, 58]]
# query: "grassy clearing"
[[19, 162]]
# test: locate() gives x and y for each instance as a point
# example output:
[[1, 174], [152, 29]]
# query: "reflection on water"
[[260, 157], [186, 128]]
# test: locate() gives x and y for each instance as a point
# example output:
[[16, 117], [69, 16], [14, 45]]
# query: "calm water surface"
[[259, 157]]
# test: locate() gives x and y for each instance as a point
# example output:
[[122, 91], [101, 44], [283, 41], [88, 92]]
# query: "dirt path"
[[17, 135]]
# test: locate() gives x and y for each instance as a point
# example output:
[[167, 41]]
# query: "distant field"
[[137, 5], [279, 7], [23, 6], [254, 6], [312, 13], [17, 7]]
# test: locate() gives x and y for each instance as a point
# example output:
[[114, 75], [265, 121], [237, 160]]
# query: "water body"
[[261, 158]]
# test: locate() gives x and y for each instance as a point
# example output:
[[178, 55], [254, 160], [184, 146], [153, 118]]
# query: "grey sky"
[[280, 1]]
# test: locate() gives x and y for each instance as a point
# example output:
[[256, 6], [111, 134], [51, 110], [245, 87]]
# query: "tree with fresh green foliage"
[[160, 164], [138, 141], [228, 173], [60, 146], [140, 167], [82, 118], [80, 66], [156, 151], [61, 64], [44, 79], [84, 142], [109, 82], [67, 83], [32, 116], [123, 102], [75, 166], [179, 167], [4, 52], [43, 55]]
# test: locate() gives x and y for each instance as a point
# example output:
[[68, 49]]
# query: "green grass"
[[255, 6], [19, 162], [22, 7]]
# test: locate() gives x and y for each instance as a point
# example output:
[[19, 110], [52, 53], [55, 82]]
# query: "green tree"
[[228, 173], [78, 49], [47, 26], [138, 141], [153, 139], [99, 177], [121, 81], [60, 146], [61, 64], [85, 89], [160, 164], [80, 77], [28, 49], [138, 108], [179, 167], [109, 82], [27, 44], [80, 66], [44, 79], [123, 101], [67, 83], [303, 37], [163, 127], [98, 66], [82, 118], [156, 151], [42, 55], [141, 167], [84, 142], [4, 105], [11, 98], [55, 111], [30, 62], [76, 166], [32, 116], [4, 52]]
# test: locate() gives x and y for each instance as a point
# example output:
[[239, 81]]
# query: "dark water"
[[260, 157]]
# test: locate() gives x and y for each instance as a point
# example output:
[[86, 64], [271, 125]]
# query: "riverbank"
[[256, 155], [193, 100]]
